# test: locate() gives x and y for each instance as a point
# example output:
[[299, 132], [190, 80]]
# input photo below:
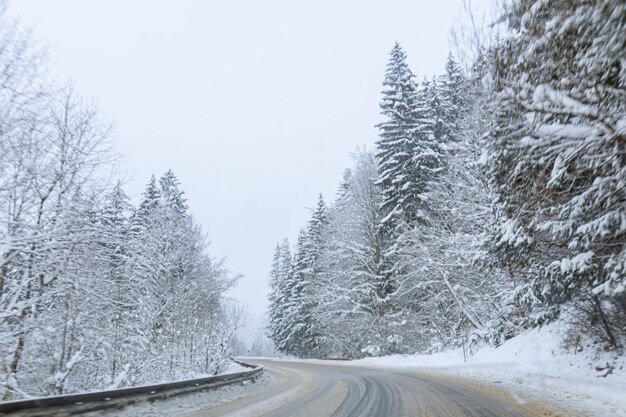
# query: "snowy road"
[[305, 389]]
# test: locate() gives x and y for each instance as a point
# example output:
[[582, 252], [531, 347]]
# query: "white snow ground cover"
[[533, 367], [234, 367]]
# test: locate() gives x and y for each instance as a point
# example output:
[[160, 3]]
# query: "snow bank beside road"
[[533, 366]]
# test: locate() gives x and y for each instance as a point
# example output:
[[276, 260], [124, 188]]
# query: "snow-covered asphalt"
[[313, 389]]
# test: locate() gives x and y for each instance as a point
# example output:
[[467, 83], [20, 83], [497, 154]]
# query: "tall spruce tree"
[[278, 297], [301, 331], [171, 193], [293, 336], [411, 146], [410, 155], [275, 296], [149, 203], [452, 87], [396, 143]]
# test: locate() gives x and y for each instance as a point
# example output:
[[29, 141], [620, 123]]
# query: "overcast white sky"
[[255, 105]]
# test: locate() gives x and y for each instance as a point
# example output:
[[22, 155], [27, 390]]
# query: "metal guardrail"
[[72, 404]]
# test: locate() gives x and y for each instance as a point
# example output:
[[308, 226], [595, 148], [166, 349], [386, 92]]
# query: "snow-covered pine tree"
[[302, 335], [279, 280], [115, 212], [431, 97], [452, 87], [352, 297], [558, 160], [275, 309], [313, 251], [147, 206], [395, 152], [291, 336], [397, 140], [411, 156], [182, 319], [171, 193]]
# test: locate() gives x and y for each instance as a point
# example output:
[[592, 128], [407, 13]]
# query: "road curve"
[[317, 390]]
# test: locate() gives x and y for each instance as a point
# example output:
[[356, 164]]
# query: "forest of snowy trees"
[[495, 201], [94, 293]]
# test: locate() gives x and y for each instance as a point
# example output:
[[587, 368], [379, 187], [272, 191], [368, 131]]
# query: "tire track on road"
[[318, 390]]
